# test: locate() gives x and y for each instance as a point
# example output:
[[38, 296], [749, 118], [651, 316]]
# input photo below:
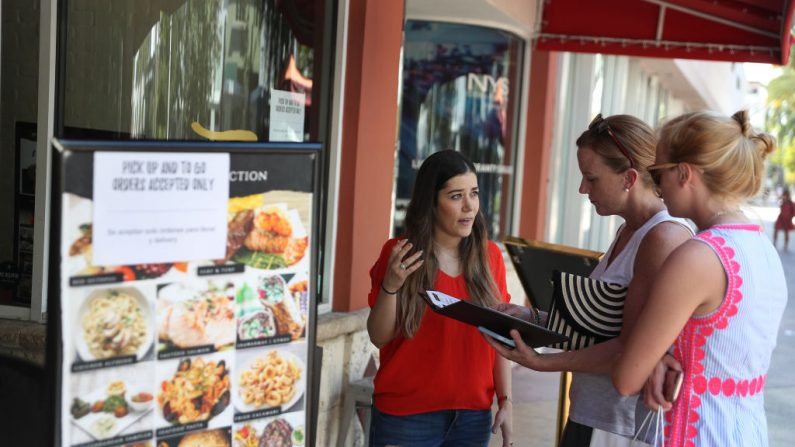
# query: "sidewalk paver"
[[780, 381]]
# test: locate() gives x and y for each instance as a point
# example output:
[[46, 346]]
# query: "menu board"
[[183, 352]]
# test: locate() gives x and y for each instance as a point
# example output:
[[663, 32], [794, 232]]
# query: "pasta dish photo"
[[114, 323]]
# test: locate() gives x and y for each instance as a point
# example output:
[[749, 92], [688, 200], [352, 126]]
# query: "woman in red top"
[[784, 220], [438, 376]]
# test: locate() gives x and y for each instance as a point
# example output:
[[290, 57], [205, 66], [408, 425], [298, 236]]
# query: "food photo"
[[267, 234], [208, 438], [254, 321], [270, 308], [286, 430], [114, 322], [274, 294], [140, 444], [298, 286], [194, 389], [267, 379], [195, 314], [113, 402]]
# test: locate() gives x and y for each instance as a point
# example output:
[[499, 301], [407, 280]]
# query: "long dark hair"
[[434, 173]]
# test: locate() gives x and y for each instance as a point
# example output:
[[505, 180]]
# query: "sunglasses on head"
[[657, 170], [599, 125]]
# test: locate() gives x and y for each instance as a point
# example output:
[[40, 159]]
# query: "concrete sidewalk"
[[535, 408], [780, 382], [535, 394]]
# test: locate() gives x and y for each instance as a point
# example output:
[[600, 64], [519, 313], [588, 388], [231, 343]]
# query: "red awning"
[[725, 30]]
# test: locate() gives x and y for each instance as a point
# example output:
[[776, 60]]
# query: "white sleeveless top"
[[726, 354], [594, 400]]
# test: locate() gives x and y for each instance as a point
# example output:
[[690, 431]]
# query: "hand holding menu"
[[495, 321]]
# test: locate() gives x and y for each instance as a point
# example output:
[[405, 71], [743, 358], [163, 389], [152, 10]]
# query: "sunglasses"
[[657, 170], [599, 125]]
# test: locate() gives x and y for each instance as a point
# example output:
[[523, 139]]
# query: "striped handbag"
[[586, 310]]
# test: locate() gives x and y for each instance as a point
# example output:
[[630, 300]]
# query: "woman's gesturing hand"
[[400, 266]]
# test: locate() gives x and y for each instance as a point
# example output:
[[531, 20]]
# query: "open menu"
[[178, 351], [492, 322]]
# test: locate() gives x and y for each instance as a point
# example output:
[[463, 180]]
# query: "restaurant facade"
[[382, 85]]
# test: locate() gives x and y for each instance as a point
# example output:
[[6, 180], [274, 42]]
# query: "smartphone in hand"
[[507, 342], [672, 385]]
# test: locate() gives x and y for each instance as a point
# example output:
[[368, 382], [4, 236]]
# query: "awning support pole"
[[712, 18]]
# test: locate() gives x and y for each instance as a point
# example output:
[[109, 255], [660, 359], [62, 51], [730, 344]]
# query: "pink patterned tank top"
[[726, 354]]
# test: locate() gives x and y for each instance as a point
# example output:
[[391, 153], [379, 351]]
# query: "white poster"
[[287, 116], [159, 207]]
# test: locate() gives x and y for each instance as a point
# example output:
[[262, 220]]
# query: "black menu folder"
[[490, 319]]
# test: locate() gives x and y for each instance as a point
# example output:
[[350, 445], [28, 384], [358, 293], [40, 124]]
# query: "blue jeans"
[[466, 428]]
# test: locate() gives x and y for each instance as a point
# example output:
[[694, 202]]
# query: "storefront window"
[[250, 70], [18, 119], [192, 69], [459, 90]]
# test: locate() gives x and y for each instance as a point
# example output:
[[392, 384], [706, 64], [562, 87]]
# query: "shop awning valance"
[[725, 30]]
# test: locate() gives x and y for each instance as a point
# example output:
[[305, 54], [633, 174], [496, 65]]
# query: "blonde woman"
[[717, 302], [613, 155], [438, 377]]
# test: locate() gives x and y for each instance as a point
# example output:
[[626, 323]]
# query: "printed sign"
[[159, 207], [287, 116], [179, 350]]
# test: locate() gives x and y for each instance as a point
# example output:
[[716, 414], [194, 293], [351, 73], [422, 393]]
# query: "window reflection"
[[456, 94], [196, 69], [19, 72], [192, 68]]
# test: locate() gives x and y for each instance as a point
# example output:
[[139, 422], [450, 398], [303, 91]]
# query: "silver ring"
[[402, 266]]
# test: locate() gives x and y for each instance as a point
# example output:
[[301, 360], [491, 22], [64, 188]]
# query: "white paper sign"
[[440, 299], [287, 116], [159, 207]]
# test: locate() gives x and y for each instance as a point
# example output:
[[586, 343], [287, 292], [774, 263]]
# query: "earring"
[[626, 189]]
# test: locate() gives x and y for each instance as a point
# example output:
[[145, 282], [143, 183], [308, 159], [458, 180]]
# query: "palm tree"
[[781, 121]]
